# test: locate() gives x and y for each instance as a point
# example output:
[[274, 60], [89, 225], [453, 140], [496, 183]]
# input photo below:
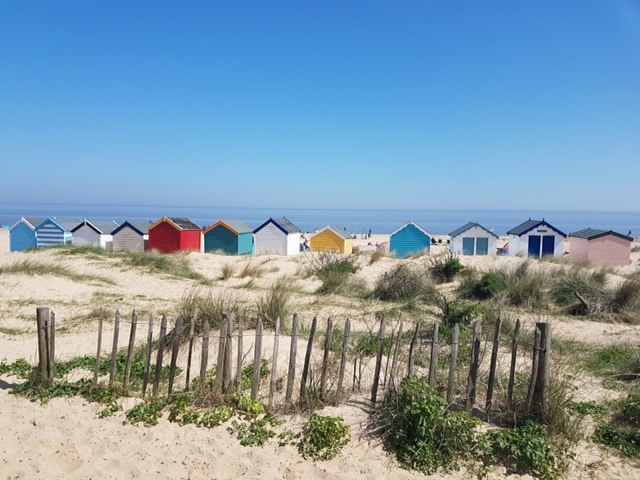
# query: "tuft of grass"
[[32, 267], [403, 282], [208, 306], [444, 267], [252, 270], [226, 271], [274, 303], [525, 286], [175, 264]]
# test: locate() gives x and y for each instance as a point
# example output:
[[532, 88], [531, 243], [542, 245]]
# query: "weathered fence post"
[[396, 352], [325, 358], [96, 373], [454, 361], [42, 319], [512, 370], [534, 368], [206, 330], [473, 369], [228, 353], [190, 354], [291, 372], [132, 342], [257, 361], [343, 361], [376, 374], [114, 350], [217, 385], [52, 343], [412, 348], [542, 379], [240, 355], [274, 363], [147, 361], [493, 366], [175, 346], [307, 357], [159, 358], [433, 362]]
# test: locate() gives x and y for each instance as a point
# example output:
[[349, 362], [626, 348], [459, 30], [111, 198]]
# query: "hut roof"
[[593, 233], [468, 226], [530, 225]]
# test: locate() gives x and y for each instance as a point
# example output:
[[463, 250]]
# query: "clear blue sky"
[[323, 104]]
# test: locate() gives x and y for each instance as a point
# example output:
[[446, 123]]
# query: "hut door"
[[534, 246], [467, 245], [548, 243], [482, 246]]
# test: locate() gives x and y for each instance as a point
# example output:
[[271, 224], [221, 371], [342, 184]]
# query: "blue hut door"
[[467, 245], [548, 243], [482, 246], [534, 246]]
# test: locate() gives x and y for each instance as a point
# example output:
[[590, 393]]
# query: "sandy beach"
[[66, 439]]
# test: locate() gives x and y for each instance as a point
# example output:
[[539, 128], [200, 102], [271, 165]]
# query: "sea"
[[436, 222]]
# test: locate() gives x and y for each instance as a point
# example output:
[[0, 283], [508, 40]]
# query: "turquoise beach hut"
[[56, 231], [410, 239], [23, 234], [231, 237]]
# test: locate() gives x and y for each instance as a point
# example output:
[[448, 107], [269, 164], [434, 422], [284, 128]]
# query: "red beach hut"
[[169, 235]]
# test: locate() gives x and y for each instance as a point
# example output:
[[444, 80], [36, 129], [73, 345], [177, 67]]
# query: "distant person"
[[629, 234], [369, 234]]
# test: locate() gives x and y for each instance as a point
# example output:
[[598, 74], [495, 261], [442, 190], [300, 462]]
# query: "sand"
[[66, 439]]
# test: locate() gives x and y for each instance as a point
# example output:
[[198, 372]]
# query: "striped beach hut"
[[473, 239], [23, 233], [536, 238], [600, 247], [231, 237], [95, 233], [409, 239], [277, 236], [132, 237], [169, 235], [56, 231], [331, 239]]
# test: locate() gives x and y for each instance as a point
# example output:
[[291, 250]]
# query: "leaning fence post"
[[177, 332], [534, 368], [542, 379], [147, 361], [257, 360], [204, 357], [343, 361], [454, 361], [96, 373], [473, 369], [412, 348], [274, 363], [240, 355], [217, 385], [376, 374], [307, 357], [433, 362], [228, 353], [514, 356], [493, 366], [291, 374], [325, 358], [159, 358], [190, 354], [396, 352], [114, 350], [132, 341]]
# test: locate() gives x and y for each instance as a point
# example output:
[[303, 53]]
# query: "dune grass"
[[33, 267], [175, 265]]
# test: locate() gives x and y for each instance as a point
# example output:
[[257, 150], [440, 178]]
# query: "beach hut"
[[95, 233], [231, 237], [277, 236], [132, 237], [56, 231], [169, 235], [331, 239], [600, 247], [23, 234], [410, 239], [536, 238], [473, 239]]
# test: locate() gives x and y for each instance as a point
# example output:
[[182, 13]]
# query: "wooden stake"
[[204, 357], [473, 369], [132, 342], [291, 375], [514, 356], [190, 354], [160, 357], [433, 362], [376, 374], [147, 361], [325, 358], [307, 357], [343, 360], [454, 361], [177, 332], [114, 350], [274, 364], [257, 361], [493, 366], [96, 373]]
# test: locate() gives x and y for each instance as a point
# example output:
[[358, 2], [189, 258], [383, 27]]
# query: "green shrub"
[[417, 425], [443, 268], [622, 432], [403, 283], [323, 437], [524, 449]]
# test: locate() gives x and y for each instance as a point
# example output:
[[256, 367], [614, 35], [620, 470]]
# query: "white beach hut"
[[473, 239], [536, 238], [278, 237]]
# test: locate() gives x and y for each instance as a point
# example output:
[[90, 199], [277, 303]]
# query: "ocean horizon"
[[436, 222]]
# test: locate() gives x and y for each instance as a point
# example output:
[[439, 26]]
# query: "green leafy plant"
[[255, 433], [443, 268], [622, 431], [403, 282], [147, 412], [247, 373], [323, 437], [216, 417]]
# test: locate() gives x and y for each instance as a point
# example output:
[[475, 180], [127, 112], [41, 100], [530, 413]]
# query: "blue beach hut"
[[23, 234], [231, 237], [56, 231], [410, 239]]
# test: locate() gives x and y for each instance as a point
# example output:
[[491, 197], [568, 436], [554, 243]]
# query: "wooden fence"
[[333, 369]]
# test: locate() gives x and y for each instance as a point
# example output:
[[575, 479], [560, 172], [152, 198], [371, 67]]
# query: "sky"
[[321, 104]]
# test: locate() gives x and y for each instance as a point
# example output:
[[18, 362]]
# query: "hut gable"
[[56, 231], [23, 234], [231, 237], [277, 236], [600, 247], [331, 239], [473, 239], [409, 239], [536, 238], [132, 237], [169, 235], [96, 233]]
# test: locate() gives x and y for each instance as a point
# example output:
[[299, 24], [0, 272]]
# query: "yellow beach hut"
[[331, 239]]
